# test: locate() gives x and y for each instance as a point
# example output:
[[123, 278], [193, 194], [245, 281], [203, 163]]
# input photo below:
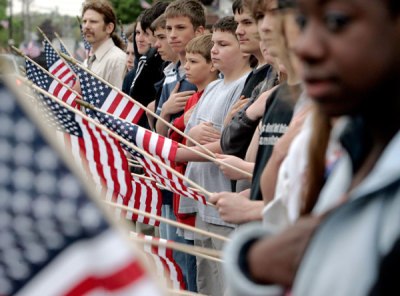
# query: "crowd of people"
[[301, 95]]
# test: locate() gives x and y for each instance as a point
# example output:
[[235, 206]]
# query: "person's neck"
[[260, 59], [97, 45], [203, 85], [291, 76], [381, 118], [182, 58], [175, 61], [236, 73]]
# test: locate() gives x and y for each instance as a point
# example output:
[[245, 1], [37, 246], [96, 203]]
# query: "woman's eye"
[[336, 21]]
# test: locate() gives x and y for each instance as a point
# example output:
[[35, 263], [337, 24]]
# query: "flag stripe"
[[113, 282]]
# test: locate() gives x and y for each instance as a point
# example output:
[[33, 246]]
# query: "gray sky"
[[69, 7]]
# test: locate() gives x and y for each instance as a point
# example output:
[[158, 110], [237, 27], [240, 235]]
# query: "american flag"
[[57, 66], [100, 155], [54, 240], [124, 37], [46, 82], [161, 148], [105, 98], [65, 51], [86, 44], [162, 258]]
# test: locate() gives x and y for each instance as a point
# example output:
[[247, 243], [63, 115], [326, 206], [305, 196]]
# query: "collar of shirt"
[[103, 49], [168, 69]]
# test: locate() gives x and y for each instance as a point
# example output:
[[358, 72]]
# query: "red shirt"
[[179, 123]]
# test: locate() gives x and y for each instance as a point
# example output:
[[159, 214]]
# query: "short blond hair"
[[201, 45]]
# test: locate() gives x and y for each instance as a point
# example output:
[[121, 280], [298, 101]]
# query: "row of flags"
[[101, 157]]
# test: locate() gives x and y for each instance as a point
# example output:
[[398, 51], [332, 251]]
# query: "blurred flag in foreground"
[[54, 239]]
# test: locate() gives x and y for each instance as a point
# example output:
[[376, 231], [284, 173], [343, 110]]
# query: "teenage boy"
[[201, 72], [249, 39], [167, 55], [150, 66], [276, 115], [236, 136], [185, 20], [217, 100]]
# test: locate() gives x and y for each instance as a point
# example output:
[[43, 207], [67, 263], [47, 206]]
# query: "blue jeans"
[[186, 262]]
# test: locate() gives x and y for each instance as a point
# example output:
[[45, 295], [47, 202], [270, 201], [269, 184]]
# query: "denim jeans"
[[186, 262]]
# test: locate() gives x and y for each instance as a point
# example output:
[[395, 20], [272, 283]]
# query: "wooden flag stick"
[[144, 177], [73, 61], [215, 160], [203, 252], [133, 161], [172, 292], [119, 138], [61, 42], [45, 37], [79, 20], [133, 165], [92, 107], [121, 26], [152, 180], [167, 221], [162, 186]]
